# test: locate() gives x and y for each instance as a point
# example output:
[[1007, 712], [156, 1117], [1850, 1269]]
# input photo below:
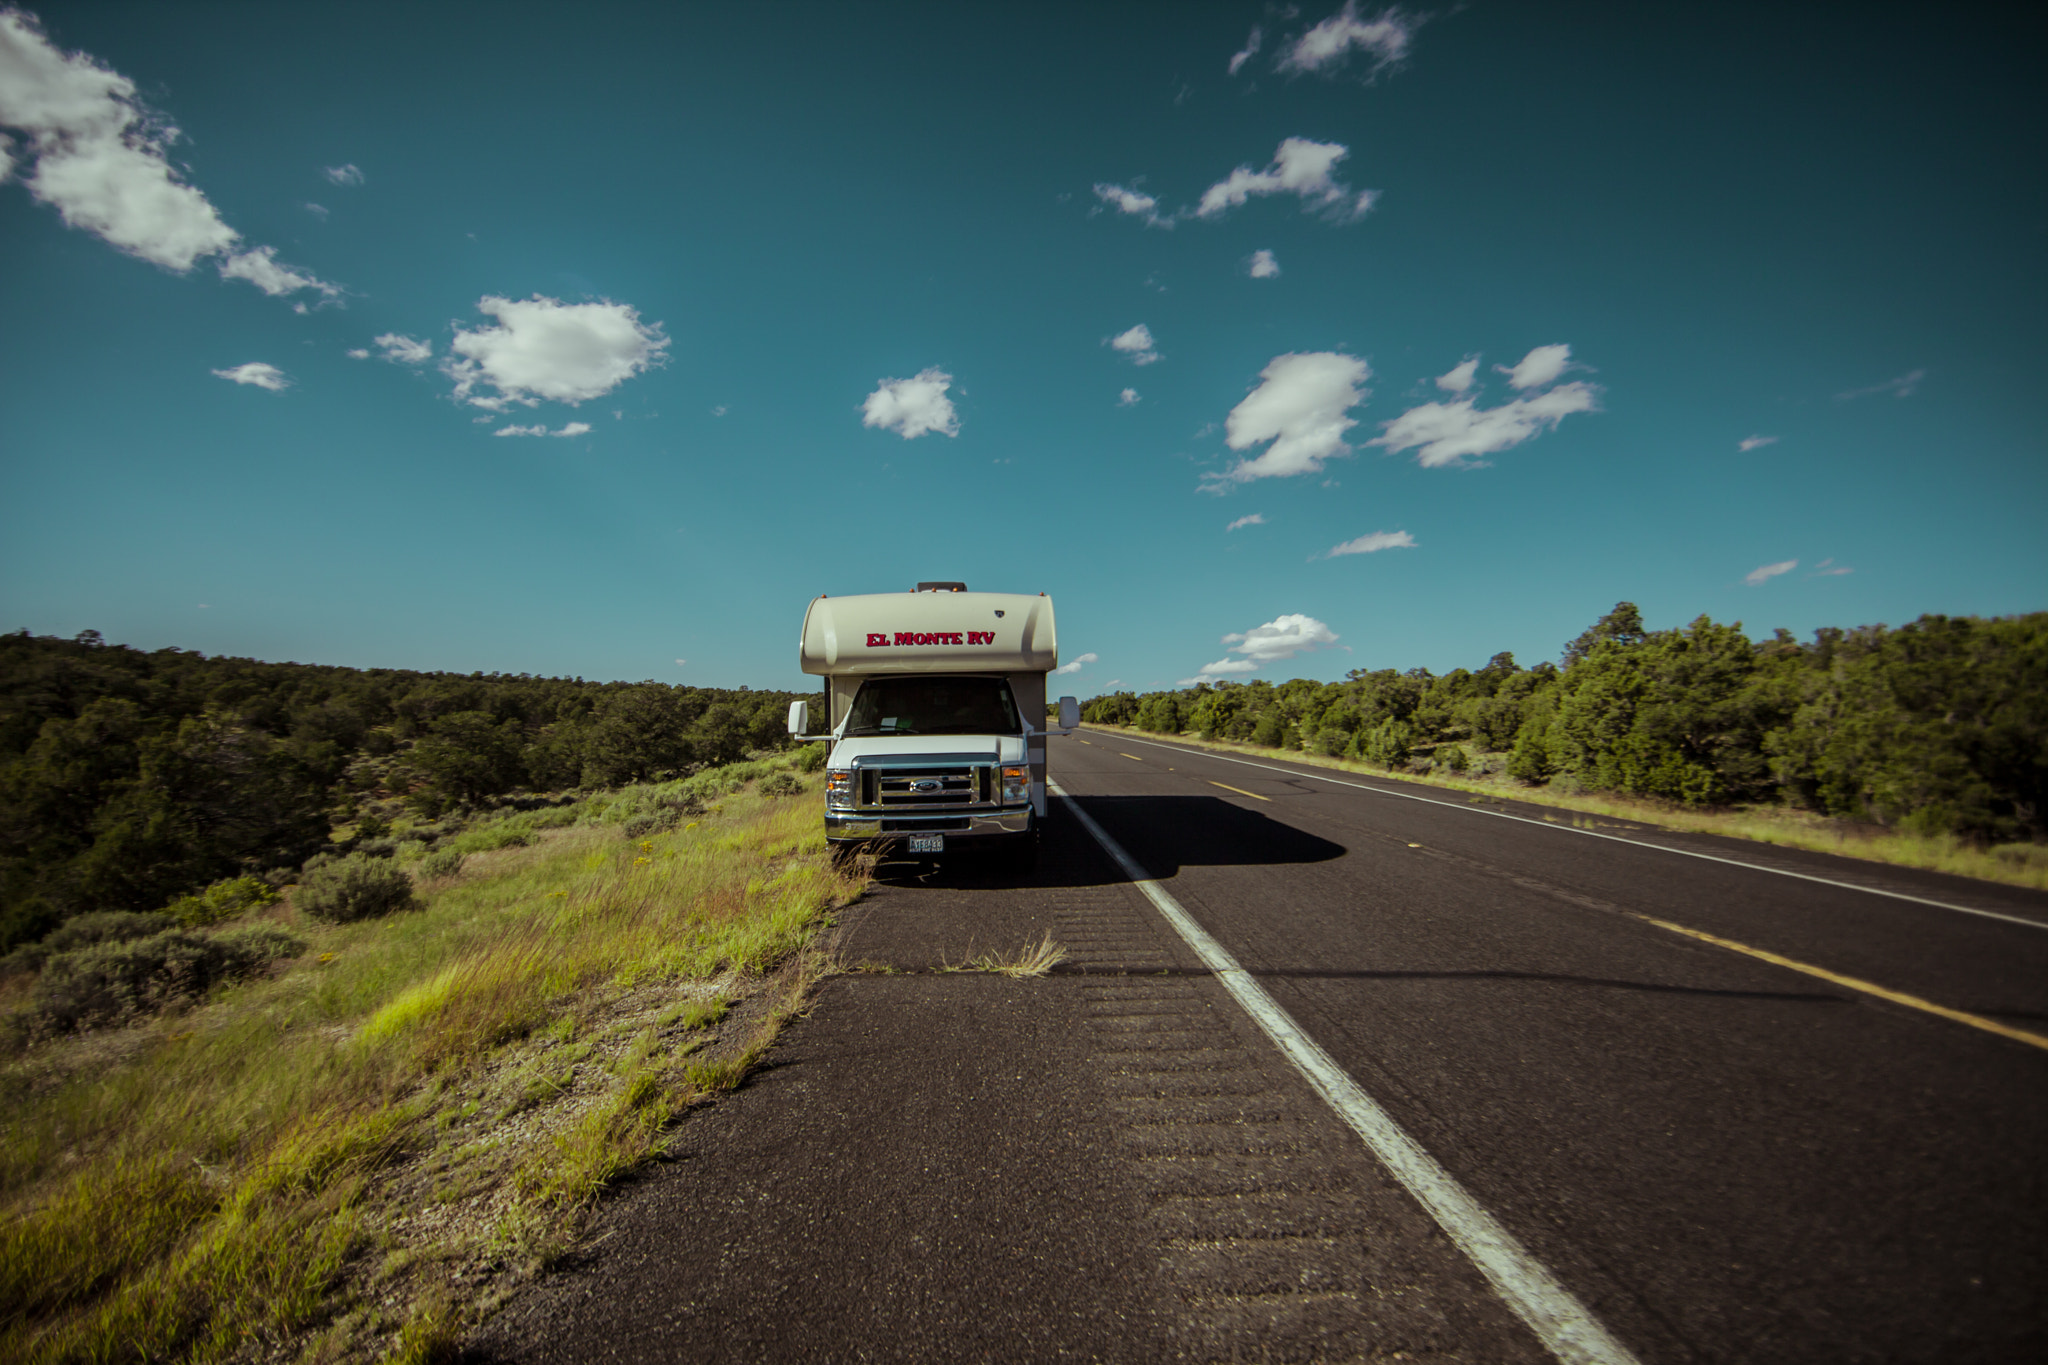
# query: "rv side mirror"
[[799, 717], [1070, 713]]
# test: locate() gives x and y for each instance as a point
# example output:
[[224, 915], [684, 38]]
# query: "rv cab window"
[[924, 705]]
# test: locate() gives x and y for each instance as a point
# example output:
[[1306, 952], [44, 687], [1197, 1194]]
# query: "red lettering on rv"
[[880, 640]]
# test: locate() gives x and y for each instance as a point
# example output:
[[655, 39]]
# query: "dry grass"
[[2024, 865], [354, 1156], [1033, 959]]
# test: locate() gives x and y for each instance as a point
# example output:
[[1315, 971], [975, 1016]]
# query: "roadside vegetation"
[[341, 1121], [1925, 745]]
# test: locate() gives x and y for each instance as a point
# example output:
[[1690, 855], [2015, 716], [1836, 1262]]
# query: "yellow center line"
[[1867, 987], [1240, 791], [1133, 757]]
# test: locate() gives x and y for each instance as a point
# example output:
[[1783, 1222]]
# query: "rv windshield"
[[933, 706]]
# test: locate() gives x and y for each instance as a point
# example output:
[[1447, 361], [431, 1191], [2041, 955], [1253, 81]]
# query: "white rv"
[[938, 710]]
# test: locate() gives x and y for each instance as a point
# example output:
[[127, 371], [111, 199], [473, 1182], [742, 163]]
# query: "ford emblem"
[[927, 785]]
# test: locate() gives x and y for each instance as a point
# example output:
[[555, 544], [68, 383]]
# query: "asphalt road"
[[1722, 1157]]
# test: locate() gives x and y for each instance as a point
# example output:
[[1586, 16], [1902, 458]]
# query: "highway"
[[1340, 1068], [1722, 1157]]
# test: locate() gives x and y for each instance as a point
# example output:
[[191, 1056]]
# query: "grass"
[[1034, 959], [2024, 865], [352, 1157]]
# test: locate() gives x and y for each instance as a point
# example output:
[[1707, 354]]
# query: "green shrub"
[[554, 818], [354, 888], [1332, 741], [1452, 758], [782, 784], [641, 826], [441, 863], [111, 983], [103, 926], [377, 848], [506, 834], [224, 900], [810, 758]]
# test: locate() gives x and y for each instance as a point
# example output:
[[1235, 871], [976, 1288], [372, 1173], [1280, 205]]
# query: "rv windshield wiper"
[[881, 730]]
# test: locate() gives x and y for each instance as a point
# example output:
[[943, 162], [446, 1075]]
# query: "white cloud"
[[541, 429], [1283, 637], [1133, 202], [1128, 398], [343, 175], [1300, 407], [1248, 51], [100, 159], [719, 411], [543, 348], [1450, 433], [681, 662], [1075, 666], [1263, 266], [1329, 45], [257, 373], [1901, 387], [912, 407], [1137, 344], [359, 353], [1749, 443], [403, 350], [1539, 367], [1222, 668], [1255, 519], [1458, 378], [260, 268], [1827, 568], [1369, 544], [1300, 167], [319, 211], [1766, 572], [99, 153]]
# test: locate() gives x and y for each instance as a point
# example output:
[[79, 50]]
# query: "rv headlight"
[[839, 788], [1017, 784]]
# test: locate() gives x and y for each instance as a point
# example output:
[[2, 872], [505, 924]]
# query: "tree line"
[[1940, 726], [130, 778]]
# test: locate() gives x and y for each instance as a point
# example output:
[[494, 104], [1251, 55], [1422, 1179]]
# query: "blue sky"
[[1746, 305]]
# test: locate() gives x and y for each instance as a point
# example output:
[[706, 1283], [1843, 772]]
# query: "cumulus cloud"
[[1075, 666], [1451, 433], [260, 268], [1541, 366], [1459, 377], [1128, 398], [403, 350], [1749, 443], [1301, 168], [1764, 573], [1222, 668], [1248, 51], [100, 158], [1328, 46], [1137, 344], [343, 175], [911, 407], [1133, 202], [1255, 519], [1263, 266], [359, 353], [1301, 406], [1283, 637], [568, 429], [1376, 541], [1901, 387], [259, 374], [543, 348]]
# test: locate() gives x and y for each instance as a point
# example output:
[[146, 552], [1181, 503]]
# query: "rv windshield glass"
[[933, 706]]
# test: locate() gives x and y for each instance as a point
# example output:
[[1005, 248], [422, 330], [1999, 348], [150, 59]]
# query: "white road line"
[[1559, 1320], [1595, 834]]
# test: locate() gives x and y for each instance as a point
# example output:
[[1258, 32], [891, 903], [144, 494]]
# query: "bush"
[[377, 848], [781, 784], [810, 758], [111, 983], [354, 888], [507, 834], [641, 826], [442, 863], [103, 926], [222, 901], [1452, 758]]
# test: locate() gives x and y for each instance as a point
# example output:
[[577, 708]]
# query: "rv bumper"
[[846, 829]]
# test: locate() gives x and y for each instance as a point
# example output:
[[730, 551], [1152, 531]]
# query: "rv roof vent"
[[941, 587]]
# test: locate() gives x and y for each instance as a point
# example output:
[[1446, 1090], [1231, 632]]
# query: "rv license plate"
[[927, 843]]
